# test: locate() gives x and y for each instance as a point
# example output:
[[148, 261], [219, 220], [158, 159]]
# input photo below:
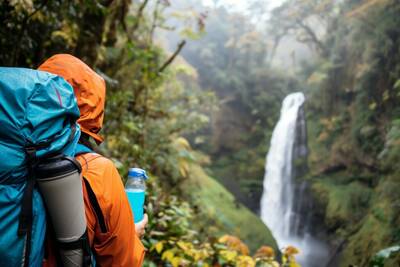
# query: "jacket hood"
[[89, 89]]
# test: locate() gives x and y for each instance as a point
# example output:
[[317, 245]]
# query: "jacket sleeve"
[[113, 242]]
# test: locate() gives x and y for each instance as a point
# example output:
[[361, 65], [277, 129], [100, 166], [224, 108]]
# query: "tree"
[[308, 20]]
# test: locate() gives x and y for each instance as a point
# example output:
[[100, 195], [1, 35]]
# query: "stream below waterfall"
[[285, 208]]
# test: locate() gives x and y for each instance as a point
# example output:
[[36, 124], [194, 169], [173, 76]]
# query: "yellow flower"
[[245, 261], [228, 255]]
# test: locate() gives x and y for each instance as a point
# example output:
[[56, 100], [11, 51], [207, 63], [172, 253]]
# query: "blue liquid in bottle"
[[135, 189], [136, 200]]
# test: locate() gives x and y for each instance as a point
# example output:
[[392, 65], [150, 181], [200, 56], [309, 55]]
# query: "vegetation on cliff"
[[353, 89], [358, 129]]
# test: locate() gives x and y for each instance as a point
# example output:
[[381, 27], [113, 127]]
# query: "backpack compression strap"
[[81, 243], [26, 215]]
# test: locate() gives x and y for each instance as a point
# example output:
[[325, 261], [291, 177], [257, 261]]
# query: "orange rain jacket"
[[110, 225]]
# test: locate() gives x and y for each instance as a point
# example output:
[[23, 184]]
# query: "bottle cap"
[[137, 173]]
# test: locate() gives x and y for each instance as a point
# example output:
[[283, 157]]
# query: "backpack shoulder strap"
[[85, 160]]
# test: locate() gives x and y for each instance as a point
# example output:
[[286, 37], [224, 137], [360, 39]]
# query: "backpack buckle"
[[31, 153]]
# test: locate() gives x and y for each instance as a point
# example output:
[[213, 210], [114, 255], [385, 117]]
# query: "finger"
[[142, 233], [142, 222], [145, 219]]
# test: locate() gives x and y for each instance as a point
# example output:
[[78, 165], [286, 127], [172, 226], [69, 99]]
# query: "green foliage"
[[391, 152], [345, 202], [171, 237], [148, 108], [179, 234], [42, 28], [221, 212], [379, 259]]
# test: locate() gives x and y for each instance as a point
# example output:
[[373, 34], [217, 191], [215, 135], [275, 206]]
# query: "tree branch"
[[139, 15], [172, 57], [154, 24], [314, 39], [22, 31]]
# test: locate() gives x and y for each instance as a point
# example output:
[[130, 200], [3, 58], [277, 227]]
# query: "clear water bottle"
[[135, 189]]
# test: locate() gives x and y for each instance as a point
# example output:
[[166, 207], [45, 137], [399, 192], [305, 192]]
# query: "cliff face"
[[354, 177], [359, 220], [354, 135]]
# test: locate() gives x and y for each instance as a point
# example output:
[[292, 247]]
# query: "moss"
[[317, 151], [367, 218], [370, 238], [393, 261], [343, 202], [376, 232], [221, 213]]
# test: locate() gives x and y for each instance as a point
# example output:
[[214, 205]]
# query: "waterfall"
[[284, 206]]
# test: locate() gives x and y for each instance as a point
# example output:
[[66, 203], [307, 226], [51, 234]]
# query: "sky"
[[241, 4]]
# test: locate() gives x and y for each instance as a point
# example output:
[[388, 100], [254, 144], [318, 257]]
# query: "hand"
[[140, 226]]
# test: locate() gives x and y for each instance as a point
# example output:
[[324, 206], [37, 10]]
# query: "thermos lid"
[[57, 165], [137, 173]]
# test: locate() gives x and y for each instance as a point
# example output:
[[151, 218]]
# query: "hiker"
[[113, 237]]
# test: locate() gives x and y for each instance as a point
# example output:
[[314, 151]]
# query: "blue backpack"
[[38, 113]]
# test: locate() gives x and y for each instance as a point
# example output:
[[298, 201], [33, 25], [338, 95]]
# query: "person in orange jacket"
[[113, 237]]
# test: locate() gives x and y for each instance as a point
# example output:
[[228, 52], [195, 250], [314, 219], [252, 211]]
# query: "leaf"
[[245, 261], [372, 106], [189, 33], [385, 95], [265, 251], [291, 250], [159, 246], [385, 253], [397, 84], [175, 261], [228, 255], [317, 78], [363, 8], [294, 264], [168, 255]]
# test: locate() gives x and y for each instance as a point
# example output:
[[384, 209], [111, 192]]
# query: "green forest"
[[194, 91]]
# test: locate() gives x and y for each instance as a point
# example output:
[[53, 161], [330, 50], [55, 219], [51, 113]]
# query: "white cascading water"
[[277, 202]]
